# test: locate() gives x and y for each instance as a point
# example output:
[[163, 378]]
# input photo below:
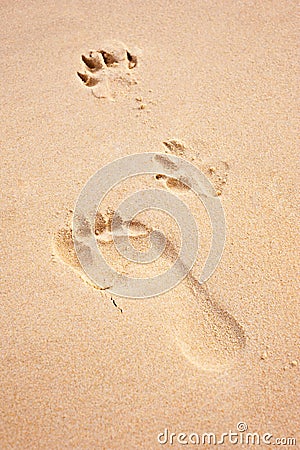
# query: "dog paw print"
[[216, 170], [108, 71]]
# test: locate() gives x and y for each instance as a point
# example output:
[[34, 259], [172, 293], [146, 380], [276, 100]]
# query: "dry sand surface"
[[213, 82]]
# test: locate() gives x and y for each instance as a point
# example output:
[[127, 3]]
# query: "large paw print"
[[107, 71]]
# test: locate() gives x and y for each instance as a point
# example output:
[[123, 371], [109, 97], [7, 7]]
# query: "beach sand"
[[216, 84]]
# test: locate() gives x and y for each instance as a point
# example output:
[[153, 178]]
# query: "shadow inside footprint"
[[173, 183]]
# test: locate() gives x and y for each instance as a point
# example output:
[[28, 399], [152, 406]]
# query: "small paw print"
[[108, 71]]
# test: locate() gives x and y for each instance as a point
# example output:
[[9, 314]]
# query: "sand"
[[216, 84]]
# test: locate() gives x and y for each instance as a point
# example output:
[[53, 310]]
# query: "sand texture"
[[86, 83]]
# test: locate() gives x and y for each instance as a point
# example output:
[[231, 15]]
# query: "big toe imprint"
[[206, 334]]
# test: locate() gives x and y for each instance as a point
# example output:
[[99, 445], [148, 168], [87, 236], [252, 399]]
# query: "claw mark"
[[92, 62], [114, 303], [83, 76], [132, 60], [106, 70], [88, 81]]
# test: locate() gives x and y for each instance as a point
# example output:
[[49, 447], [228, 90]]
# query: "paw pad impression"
[[108, 70]]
